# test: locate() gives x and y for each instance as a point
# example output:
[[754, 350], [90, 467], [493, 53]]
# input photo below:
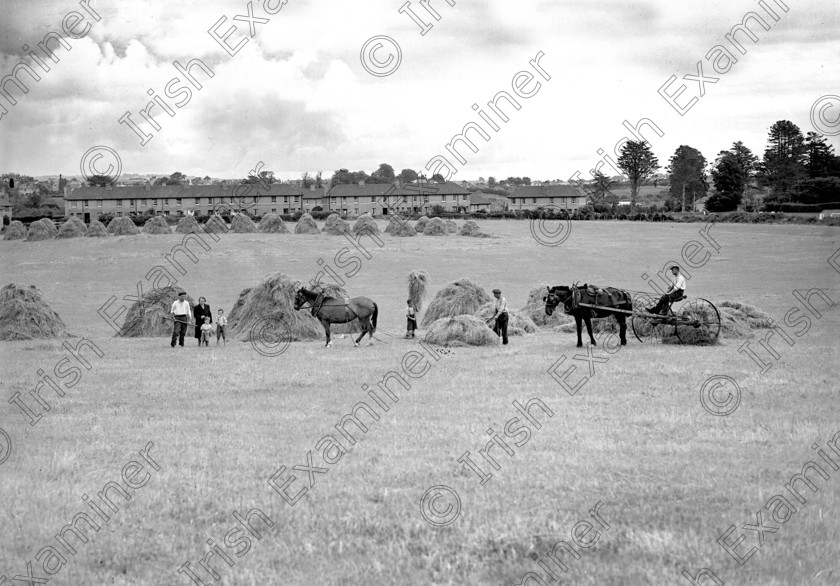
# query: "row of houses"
[[89, 203]]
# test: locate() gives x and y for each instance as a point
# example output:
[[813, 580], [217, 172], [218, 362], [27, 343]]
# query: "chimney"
[[148, 185], [362, 183], [312, 187], [108, 186]]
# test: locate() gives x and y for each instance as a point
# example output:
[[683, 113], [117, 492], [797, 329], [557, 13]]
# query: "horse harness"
[[319, 303]]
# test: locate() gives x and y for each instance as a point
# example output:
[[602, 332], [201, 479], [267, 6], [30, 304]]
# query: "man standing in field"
[[501, 316], [180, 313], [674, 292]]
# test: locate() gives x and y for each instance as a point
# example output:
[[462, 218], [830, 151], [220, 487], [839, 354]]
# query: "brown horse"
[[330, 310], [608, 297]]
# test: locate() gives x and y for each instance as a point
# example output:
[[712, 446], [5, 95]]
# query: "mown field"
[[671, 476]]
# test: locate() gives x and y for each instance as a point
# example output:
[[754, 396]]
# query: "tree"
[[639, 164], [732, 174], [177, 178], [722, 202], [782, 165], [267, 177], [526, 181], [600, 187], [687, 173], [438, 178], [819, 157], [36, 199], [306, 180], [384, 174], [319, 182], [491, 182], [407, 176], [99, 180]]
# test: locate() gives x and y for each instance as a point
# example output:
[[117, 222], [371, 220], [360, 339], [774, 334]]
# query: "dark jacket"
[[198, 314]]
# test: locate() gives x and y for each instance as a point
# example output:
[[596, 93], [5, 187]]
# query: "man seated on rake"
[[675, 292]]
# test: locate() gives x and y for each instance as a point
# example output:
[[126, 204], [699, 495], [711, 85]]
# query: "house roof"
[[381, 189], [546, 191], [182, 191], [479, 199]]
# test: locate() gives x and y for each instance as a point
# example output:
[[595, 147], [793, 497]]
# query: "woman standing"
[[201, 311]]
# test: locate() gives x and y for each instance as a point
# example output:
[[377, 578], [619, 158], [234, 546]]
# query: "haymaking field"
[[634, 472]]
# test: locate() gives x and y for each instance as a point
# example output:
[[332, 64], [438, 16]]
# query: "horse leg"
[[326, 325], [588, 321], [579, 326], [622, 328]]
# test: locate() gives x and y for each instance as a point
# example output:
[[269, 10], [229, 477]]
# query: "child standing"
[[411, 319], [221, 322], [206, 328]]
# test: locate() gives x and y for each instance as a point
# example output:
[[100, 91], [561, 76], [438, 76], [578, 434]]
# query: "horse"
[[330, 310], [571, 297]]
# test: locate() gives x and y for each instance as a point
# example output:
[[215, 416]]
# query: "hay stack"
[[738, 320], [420, 225], [470, 228], [242, 224], [535, 309], [335, 226], [156, 225], [38, 231], [50, 226], [365, 225], [417, 281], [518, 324], [461, 297], [187, 225], [435, 227], [451, 226], [24, 315], [97, 230], [271, 223], [462, 330], [122, 226], [15, 231], [306, 225], [149, 317], [72, 228], [401, 228]]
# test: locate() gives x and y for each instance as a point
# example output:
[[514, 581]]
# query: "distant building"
[[386, 198], [534, 197], [829, 214], [488, 202]]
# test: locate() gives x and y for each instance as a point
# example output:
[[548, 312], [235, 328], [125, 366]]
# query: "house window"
[[443, 198], [72, 204], [119, 203], [86, 203], [550, 200], [178, 201], [355, 199], [119, 214], [273, 199], [285, 199], [99, 203], [356, 211], [142, 202], [296, 199], [285, 210], [165, 201], [273, 210], [131, 202], [533, 200]]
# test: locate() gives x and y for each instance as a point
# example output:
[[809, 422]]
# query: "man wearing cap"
[[180, 313], [501, 316], [674, 292]]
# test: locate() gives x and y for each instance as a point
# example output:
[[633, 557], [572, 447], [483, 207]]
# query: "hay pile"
[[187, 225], [97, 230], [122, 226], [451, 226], [470, 228], [335, 226], [149, 317], [400, 227], [518, 324], [242, 224], [39, 231], [306, 225], [461, 297], [25, 315], [420, 225], [365, 225], [435, 227], [72, 228], [462, 330], [50, 226], [535, 309], [156, 225], [15, 231], [271, 223], [417, 281]]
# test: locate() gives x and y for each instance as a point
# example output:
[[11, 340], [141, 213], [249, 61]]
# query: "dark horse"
[[572, 297], [330, 310]]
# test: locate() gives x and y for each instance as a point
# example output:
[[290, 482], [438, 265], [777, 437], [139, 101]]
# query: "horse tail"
[[373, 317]]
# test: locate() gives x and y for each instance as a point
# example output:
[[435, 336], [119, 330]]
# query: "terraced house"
[[566, 197], [386, 198]]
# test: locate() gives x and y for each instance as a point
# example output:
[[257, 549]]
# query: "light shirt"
[[221, 320], [501, 305], [679, 282], [409, 311], [206, 327], [181, 307]]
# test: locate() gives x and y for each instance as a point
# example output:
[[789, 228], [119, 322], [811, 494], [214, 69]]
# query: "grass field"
[[672, 477]]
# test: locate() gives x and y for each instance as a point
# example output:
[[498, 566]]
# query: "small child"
[[411, 319], [206, 328], [221, 322]]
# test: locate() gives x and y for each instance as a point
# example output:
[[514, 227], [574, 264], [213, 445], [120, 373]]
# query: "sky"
[[293, 93]]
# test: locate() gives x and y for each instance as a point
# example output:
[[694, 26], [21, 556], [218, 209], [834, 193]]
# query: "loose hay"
[[149, 317], [306, 225], [435, 227], [420, 225], [365, 225], [451, 226], [461, 330], [72, 228], [417, 281], [24, 315], [535, 309], [518, 324], [122, 226], [156, 225], [737, 321], [242, 224], [187, 225], [97, 229], [15, 231], [461, 297], [273, 224], [335, 226], [38, 231]]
